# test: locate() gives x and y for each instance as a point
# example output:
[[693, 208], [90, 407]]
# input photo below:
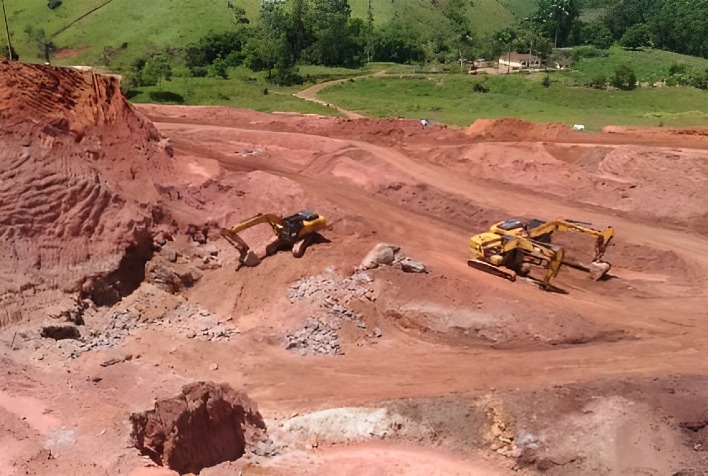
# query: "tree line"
[[288, 33]]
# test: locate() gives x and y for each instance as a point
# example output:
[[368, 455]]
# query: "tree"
[[622, 15], [505, 39], [332, 39], [463, 41], [556, 18], [681, 26], [637, 36], [596, 34], [369, 33], [269, 49], [399, 41], [624, 78], [155, 69]]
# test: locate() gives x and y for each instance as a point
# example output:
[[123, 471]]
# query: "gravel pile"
[[318, 336], [120, 325], [195, 322], [331, 293]]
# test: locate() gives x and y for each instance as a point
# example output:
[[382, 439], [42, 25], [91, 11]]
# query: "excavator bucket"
[[250, 259]]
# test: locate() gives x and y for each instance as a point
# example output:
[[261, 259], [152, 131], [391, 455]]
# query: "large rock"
[[382, 254], [206, 424], [598, 269], [410, 266]]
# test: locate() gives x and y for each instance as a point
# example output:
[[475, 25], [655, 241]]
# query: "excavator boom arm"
[[603, 237], [232, 234], [296, 231], [273, 220]]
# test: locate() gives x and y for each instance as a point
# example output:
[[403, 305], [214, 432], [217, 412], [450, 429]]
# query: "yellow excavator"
[[512, 246], [296, 231]]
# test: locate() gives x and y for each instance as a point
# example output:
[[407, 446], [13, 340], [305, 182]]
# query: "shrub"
[[52, 4], [218, 69], [480, 88], [598, 81], [676, 69], [582, 52], [546, 82], [700, 80], [198, 72], [624, 78]]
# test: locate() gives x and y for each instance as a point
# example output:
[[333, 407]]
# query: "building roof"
[[519, 57]]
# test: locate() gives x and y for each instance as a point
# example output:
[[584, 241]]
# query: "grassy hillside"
[[650, 65], [87, 27], [452, 100], [112, 23]]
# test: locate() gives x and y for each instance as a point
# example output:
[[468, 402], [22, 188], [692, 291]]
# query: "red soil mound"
[[512, 129], [77, 195]]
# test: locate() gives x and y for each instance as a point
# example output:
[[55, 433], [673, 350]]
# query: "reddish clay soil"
[[130, 337]]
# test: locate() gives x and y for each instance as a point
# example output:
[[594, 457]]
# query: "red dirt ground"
[[111, 213]]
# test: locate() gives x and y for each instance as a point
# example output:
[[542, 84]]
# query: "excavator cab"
[[294, 225]]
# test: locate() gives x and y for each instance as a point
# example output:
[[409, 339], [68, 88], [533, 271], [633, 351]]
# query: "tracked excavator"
[[512, 247], [296, 232]]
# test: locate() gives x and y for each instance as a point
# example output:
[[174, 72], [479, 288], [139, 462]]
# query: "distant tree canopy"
[[676, 25], [322, 32], [288, 33]]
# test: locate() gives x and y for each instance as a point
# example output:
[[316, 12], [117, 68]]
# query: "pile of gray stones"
[[332, 294]]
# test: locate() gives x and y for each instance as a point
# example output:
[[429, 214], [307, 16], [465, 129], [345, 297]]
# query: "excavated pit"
[[205, 425], [108, 289], [60, 332]]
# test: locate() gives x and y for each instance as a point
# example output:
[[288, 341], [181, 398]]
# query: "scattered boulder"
[[410, 266], [171, 277], [318, 336], [382, 254], [598, 269]]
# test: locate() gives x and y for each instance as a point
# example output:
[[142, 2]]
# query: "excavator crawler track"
[[491, 269]]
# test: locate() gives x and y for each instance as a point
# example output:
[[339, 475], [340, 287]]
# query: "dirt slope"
[[375, 371], [78, 188]]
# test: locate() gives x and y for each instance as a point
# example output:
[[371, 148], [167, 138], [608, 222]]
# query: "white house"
[[520, 61]]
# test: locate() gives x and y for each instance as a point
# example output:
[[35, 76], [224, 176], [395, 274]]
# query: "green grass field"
[[164, 23], [452, 100], [649, 65], [244, 89]]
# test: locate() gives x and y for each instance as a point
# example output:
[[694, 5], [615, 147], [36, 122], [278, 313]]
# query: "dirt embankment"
[[78, 199]]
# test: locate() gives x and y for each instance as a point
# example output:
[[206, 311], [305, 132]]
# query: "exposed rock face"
[[77, 189], [205, 425]]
